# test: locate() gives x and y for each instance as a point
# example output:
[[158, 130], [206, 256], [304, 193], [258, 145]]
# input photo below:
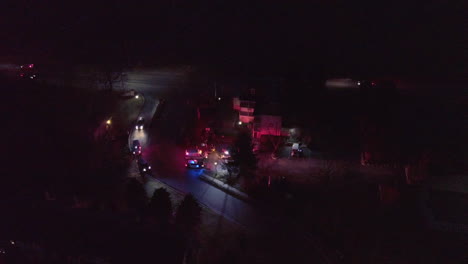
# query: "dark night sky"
[[342, 36]]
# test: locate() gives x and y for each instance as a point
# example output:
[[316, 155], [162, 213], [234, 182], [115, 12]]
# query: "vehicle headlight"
[[226, 152], [141, 127], [149, 167], [136, 127], [144, 169]]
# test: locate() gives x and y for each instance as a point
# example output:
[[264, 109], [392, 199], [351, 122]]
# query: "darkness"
[[340, 37], [285, 49]]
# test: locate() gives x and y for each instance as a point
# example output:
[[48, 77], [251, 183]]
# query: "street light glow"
[[108, 122], [137, 96], [219, 98], [240, 123]]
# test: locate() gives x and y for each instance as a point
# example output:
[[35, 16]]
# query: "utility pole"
[[215, 92]]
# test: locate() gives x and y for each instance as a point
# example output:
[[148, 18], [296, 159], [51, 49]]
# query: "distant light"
[[226, 152], [141, 127], [149, 167], [144, 169], [108, 122], [358, 83], [12, 242], [186, 153], [200, 152], [136, 127], [31, 65], [373, 83], [219, 98], [216, 163], [240, 122], [137, 96], [31, 77]]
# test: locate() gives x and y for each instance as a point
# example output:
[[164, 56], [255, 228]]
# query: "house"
[[245, 105], [267, 125]]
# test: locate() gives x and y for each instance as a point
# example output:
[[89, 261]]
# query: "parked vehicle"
[[194, 152], [296, 151], [144, 167], [195, 163], [28, 71], [224, 151], [140, 123], [136, 148]]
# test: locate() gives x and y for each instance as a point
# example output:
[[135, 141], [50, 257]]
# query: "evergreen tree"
[[160, 206], [136, 196], [244, 156], [188, 214]]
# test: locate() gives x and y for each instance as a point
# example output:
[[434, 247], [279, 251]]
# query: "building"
[[245, 105]]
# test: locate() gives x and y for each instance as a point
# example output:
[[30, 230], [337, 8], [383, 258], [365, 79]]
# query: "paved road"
[[162, 146]]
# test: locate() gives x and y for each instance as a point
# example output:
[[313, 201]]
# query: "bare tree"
[[110, 74]]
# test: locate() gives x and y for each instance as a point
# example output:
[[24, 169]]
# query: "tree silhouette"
[[188, 214], [136, 196], [244, 156], [160, 206]]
